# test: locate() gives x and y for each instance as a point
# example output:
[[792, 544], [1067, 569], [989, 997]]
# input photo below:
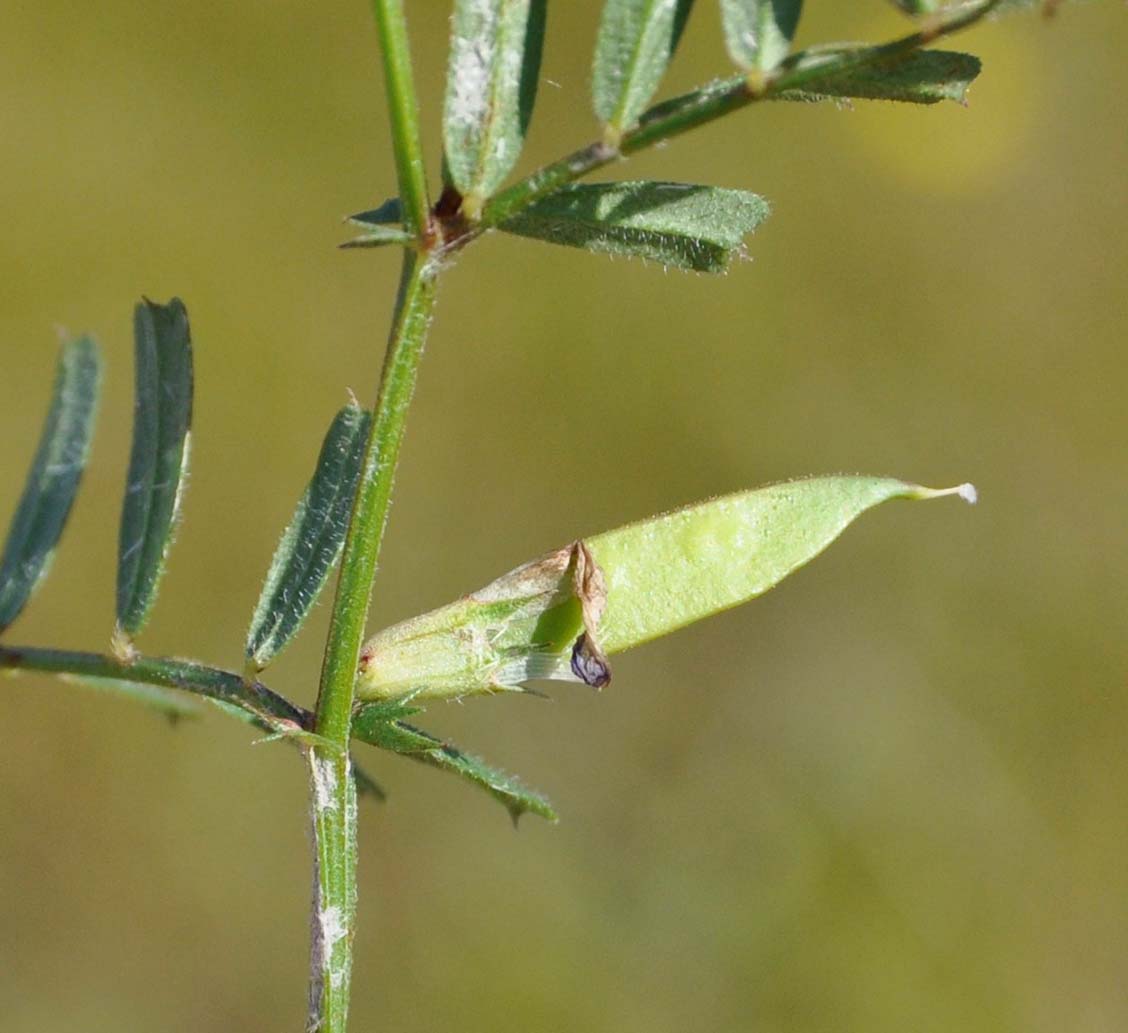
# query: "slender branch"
[[168, 673], [403, 111], [334, 799], [370, 510], [674, 117]]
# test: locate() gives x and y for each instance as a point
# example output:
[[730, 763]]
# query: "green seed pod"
[[559, 616]]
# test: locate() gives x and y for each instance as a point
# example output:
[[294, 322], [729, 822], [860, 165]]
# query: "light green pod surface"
[[669, 571], [655, 576]]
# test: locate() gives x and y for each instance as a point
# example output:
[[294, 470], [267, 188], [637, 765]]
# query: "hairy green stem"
[[333, 789], [403, 111], [334, 800], [370, 510], [674, 117], [333, 921], [168, 673]]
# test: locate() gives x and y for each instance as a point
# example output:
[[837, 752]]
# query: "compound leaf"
[[158, 463], [53, 480], [312, 543], [677, 224]]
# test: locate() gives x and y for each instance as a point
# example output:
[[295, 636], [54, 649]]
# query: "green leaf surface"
[[677, 224], [158, 462], [495, 55], [548, 618], [312, 543], [371, 724], [636, 41], [758, 33], [53, 480], [921, 77]]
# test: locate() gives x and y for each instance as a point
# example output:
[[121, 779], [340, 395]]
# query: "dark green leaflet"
[[312, 543], [53, 480], [380, 724], [158, 462], [676, 224]]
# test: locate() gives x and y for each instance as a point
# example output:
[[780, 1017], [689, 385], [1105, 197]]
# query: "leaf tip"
[[542, 808]]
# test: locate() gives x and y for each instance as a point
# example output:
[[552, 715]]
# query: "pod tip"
[[966, 491]]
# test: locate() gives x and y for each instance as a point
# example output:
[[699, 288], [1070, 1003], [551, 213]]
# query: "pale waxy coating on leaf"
[[495, 53], [558, 616]]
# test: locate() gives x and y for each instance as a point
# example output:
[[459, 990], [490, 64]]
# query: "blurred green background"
[[889, 796]]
